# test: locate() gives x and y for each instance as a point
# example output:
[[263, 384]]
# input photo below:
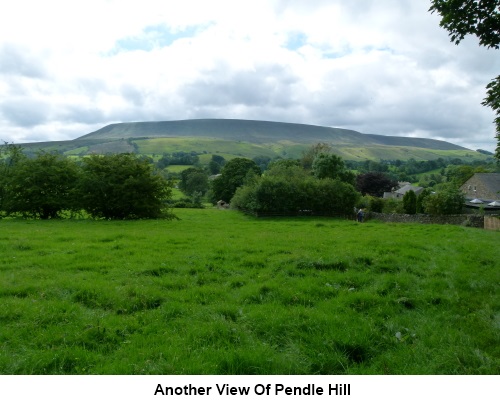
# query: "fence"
[[492, 223]]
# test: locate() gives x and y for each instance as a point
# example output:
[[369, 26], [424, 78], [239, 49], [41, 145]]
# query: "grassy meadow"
[[217, 292]]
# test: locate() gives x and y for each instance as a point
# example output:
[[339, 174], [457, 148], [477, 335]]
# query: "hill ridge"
[[259, 131]]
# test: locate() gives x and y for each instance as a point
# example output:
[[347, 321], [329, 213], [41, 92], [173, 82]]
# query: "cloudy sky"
[[68, 68]]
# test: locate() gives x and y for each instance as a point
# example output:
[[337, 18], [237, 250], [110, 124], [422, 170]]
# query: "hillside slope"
[[260, 132], [249, 139]]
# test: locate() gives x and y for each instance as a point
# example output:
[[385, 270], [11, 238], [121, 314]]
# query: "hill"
[[259, 132], [250, 138]]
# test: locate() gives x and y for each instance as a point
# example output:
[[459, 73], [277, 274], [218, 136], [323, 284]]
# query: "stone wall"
[[476, 221]]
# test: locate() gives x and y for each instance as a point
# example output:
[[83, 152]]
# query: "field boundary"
[[492, 222], [475, 221], [302, 213]]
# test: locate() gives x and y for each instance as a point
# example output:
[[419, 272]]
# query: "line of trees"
[[125, 186], [178, 158], [320, 182], [50, 185]]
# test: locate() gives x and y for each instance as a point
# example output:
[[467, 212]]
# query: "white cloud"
[[378, 67]]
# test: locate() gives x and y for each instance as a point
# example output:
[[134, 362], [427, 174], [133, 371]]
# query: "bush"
[[122, 186], [233, 175], [373, 204], [393, 206], [410, 202], [328, 165], [40, 187], [277, 195], [374, 183], [420, 200], [448, 201], [193, 180]]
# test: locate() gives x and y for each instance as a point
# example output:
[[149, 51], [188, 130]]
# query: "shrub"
[[40, 187], [122, 186], [420, 200], [278, 195], [410, 202], [393, 206], [374, 183], [448, 201], [376, 204], [233, 175]]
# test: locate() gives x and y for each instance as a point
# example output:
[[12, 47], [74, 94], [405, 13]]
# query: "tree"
[[328, 165], [458, 175], [122, 186], [286, 168], [41, 187], [194, 180], [410, 202], [310, 154], [492, 100], [232, 176], [420, 200], [291, 196], [482, 19], [215, 164], [447, 201], [197, 183], [10, 155], [262, 161], [213, 167], [374, 183]]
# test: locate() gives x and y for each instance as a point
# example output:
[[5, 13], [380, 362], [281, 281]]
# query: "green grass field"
[[217, 292], [210, 146]]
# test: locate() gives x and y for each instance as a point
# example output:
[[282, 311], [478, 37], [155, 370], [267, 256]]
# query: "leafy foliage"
[[232, 176], [194, 180], [122, 186], [374, 183], [410, 202], [492, 100], [373, 204], [9, 155], [328, 165], [482, 19], [40, 187], [393, 206], [310, 154], [420, 200], [447, 201], [177, 158], [465, 17], [262, 161], [295, 193]]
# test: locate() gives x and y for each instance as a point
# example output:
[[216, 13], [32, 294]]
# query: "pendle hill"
[[249, 138]]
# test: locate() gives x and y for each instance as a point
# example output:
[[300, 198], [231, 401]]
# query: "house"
[[399, 193], [482, 190], [483, 186]]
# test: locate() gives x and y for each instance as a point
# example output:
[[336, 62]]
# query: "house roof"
[[490, 181], [405, 189]]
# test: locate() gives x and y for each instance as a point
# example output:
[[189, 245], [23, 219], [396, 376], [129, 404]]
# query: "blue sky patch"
[[152, 37], [296, 40]]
